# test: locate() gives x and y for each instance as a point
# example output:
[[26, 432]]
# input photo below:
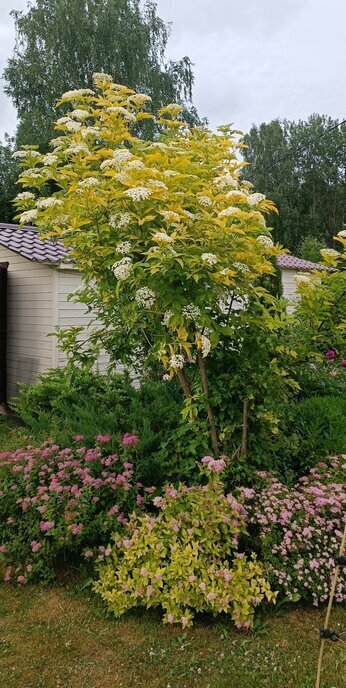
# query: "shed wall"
[[70, 313], [30, 320]]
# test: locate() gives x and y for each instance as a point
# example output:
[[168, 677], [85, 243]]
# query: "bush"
[[75, 401], [58, 505], [310, 429], [327, 378], [185, 559], [298, 530]]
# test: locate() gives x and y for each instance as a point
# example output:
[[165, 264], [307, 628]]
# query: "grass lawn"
[[60, 638]]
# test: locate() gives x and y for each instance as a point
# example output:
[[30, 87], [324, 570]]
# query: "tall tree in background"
[[306, 180], [60, 43], [8, 179]]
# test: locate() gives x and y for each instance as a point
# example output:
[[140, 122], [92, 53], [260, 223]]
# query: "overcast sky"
[[254, 59]]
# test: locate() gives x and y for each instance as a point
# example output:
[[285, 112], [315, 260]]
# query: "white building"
[[39, 280]]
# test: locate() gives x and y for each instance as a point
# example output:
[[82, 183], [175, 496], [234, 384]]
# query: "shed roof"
[[293, 263], [27, 243]]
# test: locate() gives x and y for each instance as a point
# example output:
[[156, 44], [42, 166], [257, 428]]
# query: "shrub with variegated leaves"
[[185, 558]]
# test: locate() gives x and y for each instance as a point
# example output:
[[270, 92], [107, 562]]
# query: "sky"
[[254, 60]]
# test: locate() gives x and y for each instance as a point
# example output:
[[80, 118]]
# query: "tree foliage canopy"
[[60, 43], [166, 234], [305, 180]]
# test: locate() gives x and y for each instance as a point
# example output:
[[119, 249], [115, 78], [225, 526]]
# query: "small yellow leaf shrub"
[[185, 559]]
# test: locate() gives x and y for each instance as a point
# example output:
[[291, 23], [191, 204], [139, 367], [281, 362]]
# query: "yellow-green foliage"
[[185, 559], [166, 231]]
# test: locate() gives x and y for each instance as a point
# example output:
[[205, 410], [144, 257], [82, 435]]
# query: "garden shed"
[[39, 279]]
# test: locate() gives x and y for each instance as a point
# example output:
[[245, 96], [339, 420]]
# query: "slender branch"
[[210, 414], [243, 446], [184, 383]]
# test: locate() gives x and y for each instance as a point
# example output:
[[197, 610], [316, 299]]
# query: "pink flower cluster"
[[214, 465], [300, 529], [67, 498]]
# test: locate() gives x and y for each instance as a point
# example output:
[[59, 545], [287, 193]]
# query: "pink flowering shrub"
[[299, 529], [63, 503], [185, 558]]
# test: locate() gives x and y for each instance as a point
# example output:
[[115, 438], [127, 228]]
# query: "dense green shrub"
[[75, 401], [322, 378], [310, 429]]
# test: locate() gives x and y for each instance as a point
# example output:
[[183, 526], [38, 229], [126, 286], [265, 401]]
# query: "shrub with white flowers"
[[176, 209]]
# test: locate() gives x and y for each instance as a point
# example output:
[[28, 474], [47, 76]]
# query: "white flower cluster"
[[90, 131], [204, 201], [166, 318], [139, 98], [241, 266], [49, 202], [166, 377], [121, 220], [124, 247], [122, 177], [331, 252], [25, 196], [170, 173], [163, 238], [234, 193], [230, 211], [255, 198], [50, 159], [101, 77], [73, 126], [145, 297], [138, 193], [205, 345], [63, 120], [89, 183], [109, 164], [135, 165], [156, 183], [69, 95], [209, 258], [122, 111], [76, 148], [265, 240], [191, 312], [122, 155], [176, 361], [122, 268], [170, 216], [28, 216], [79, 114], [342, 234], [57, 142], [226, 180], [190, 216], [302, 279], [34, 173], [20, 154]]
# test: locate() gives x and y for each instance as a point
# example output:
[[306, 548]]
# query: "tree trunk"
[[184, 383], [211, 419]]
